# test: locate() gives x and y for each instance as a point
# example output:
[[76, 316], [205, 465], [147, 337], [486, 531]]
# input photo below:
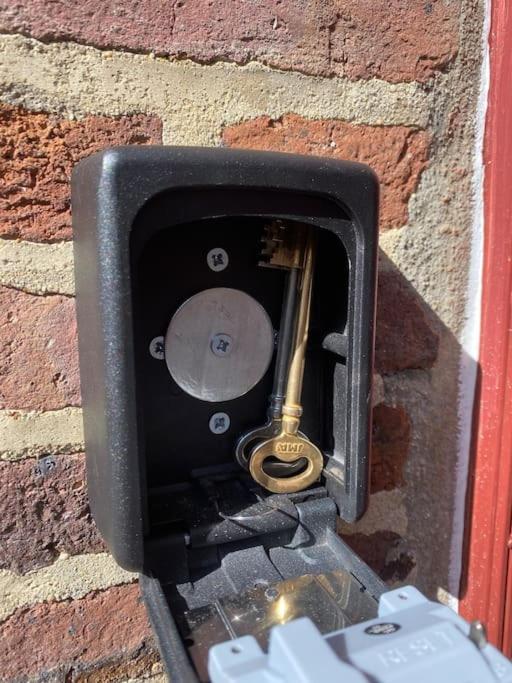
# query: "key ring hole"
[[286, 470]]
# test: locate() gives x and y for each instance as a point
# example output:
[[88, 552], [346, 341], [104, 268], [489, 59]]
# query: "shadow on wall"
[[412, 530]]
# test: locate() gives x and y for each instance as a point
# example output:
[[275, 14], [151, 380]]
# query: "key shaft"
[[292, 408], [273, 425], [285, 341], [289, 446]]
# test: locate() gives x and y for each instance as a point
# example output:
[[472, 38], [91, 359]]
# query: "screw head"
[[45, 466], [271, 593], [221, 344], [157, 348], [219, 423], [478, 634], [217, 259]]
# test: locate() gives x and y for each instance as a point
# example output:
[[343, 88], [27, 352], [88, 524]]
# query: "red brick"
[[44, 511], [137, 666], [401, 40], [38, 351], [391, 436], [56, 641], [404, 337], [385, 552], [39, 152], [397, 153]]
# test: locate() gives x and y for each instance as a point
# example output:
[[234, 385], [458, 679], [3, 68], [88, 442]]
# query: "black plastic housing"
[[129, 205]]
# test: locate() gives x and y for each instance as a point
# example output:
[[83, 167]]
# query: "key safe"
[[225, 305]]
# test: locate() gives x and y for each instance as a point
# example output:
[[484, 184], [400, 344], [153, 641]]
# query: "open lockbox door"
[[179, 319]]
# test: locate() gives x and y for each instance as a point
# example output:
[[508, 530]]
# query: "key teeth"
[[278, 250], [269, 243]]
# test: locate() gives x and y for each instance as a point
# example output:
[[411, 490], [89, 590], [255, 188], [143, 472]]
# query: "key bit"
[[283, 246]]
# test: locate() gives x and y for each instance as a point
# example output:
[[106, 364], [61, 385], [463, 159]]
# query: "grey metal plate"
[[219, 344]]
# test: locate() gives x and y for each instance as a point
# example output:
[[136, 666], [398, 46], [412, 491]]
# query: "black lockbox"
[[220, 557]]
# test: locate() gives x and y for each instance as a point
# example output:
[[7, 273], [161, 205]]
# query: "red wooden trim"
[[507, 622], [485, 595]]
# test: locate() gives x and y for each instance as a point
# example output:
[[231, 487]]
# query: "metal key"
[[288, 446], [285, 249]]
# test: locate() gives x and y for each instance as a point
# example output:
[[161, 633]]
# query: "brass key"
[[289, 446], [284, 248]]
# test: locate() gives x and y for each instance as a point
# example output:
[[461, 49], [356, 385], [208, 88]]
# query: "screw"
[[219, 423], [217, 259], [157, 348], [221, 344], [478, 634], [260, 583], [271, 594], [44, 466]]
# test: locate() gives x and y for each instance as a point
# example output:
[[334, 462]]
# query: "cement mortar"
[[34, 434], [37, 268], [386, 512], [67, 578], [194, 102]]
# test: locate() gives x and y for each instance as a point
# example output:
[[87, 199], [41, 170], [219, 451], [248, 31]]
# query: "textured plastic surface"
[[120, 198], [412, 639]]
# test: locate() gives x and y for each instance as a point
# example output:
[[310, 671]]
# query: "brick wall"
[[393, 84]]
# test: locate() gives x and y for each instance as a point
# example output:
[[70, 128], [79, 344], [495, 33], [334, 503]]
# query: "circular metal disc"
[[219, 344]]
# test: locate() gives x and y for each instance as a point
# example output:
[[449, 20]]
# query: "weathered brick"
[[385, 552], [404, 338], [44, 511], [58, 641], [391, 437], [137, 667], [38, 351], [39, 152], [397, 41], [398, 154]]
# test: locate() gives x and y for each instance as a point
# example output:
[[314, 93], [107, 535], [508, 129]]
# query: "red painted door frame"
[[487, 589]]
